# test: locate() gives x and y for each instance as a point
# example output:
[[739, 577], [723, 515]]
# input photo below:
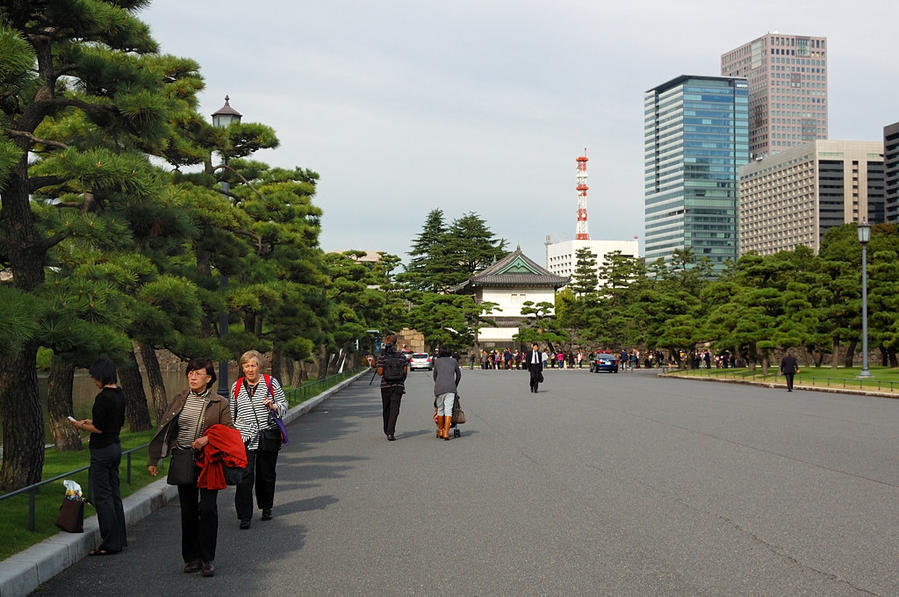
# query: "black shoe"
[[245, 523], [390, 438], [192, 566], [208, 568], [267, 514]]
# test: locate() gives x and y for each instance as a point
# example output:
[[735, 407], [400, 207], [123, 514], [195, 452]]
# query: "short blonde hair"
[[251, 354]]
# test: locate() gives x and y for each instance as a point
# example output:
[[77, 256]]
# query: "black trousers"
[[390, 407], [261, 473], [789, 377], [535, 376], [199, 522], [107, 497]]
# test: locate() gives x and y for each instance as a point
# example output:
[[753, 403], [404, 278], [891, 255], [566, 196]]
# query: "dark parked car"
[[605, 362]]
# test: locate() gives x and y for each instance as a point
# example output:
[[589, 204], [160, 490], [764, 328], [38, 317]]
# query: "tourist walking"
[[789, 367], [183, 431], [255, 397], [392, 367], [535, 367], [107, 418], [447, 376]]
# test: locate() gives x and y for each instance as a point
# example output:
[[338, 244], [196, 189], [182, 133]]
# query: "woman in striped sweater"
[[252, 398]]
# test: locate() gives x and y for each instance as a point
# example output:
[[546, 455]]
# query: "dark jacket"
[[391, 351], [217, 411], [535, 367], [789, 364]]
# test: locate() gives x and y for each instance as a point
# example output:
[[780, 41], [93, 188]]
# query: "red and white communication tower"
[[582, 232]]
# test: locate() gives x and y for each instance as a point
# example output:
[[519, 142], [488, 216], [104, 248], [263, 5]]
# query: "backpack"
[[394, 367]]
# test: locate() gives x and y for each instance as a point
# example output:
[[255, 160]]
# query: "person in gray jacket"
[[447, 375]]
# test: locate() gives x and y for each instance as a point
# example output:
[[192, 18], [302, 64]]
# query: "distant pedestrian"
[[789, 367], [392, 367], [535, 366], [447, 376], [108, 416]]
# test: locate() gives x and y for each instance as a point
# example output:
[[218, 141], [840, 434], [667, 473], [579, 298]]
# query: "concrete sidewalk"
[[23, 572]]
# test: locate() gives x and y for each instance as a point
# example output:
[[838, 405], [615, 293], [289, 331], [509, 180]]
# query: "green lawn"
[[14, 511], [883, 379]]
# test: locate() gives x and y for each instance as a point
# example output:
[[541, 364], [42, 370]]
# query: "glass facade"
[[696, 137]]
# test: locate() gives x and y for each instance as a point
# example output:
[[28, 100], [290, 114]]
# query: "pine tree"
[[584, 280], [84, 62]]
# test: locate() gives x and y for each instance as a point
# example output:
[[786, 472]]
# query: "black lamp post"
[[864, 235], [222, 119]]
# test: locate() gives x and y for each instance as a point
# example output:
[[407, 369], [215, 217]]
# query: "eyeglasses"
[[200, 372]]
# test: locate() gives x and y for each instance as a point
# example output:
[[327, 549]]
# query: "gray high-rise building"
[[794, 197], [696, 136], [891, 172], [787, 77]]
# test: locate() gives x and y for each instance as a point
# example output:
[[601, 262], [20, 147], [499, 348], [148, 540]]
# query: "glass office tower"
[[696, 136]]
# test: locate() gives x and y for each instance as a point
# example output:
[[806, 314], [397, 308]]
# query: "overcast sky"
[[404, 106]]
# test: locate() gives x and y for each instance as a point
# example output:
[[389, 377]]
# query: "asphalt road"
[[600, 484]]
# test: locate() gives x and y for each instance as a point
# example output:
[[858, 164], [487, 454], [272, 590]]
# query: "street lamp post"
[[864, 235], [223, 118]]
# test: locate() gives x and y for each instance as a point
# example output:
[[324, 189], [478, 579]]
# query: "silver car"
[[420, 360]]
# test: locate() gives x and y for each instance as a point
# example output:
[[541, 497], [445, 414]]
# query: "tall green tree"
[[62, 58], [423, 250], [584, 281]]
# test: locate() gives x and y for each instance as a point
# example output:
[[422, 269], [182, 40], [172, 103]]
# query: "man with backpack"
[[392, 367]]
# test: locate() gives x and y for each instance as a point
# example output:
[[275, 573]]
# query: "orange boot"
[[440, 423], [447, 423]]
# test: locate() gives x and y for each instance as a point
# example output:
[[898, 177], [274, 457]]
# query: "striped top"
[[250, 414], [188, 418]]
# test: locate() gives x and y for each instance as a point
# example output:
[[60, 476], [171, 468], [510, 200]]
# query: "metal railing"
[[31, 490], [313, 388], [800, 379], [294, 396]]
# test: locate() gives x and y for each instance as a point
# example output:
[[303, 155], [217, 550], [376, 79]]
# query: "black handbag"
[[270, 440], [181, 467], [71, 516]]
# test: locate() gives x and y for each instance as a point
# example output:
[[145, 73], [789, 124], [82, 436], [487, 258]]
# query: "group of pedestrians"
[[219, 440], [393, 369]]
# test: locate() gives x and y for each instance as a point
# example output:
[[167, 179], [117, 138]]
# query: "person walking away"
[[108, 416], [447, 376], [187, 419], [535, 366], [253, 397], [392, 367], [789, 367]]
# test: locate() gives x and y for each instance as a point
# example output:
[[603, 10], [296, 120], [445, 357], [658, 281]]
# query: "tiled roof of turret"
[[515, 269]]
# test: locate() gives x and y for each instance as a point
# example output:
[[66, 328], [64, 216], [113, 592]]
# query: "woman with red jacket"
[[184, 427]]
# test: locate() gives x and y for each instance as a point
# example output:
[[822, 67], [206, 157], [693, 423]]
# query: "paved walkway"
[[599, 485]]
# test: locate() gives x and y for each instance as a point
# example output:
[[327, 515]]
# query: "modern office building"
[[787, 77], [794, 197], [891, 172], [561, 257], [696, 136]]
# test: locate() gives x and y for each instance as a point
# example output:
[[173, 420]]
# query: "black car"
[[604, 361]]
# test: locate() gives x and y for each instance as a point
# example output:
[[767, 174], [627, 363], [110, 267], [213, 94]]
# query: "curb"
[[766, 384], [22, 573]]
